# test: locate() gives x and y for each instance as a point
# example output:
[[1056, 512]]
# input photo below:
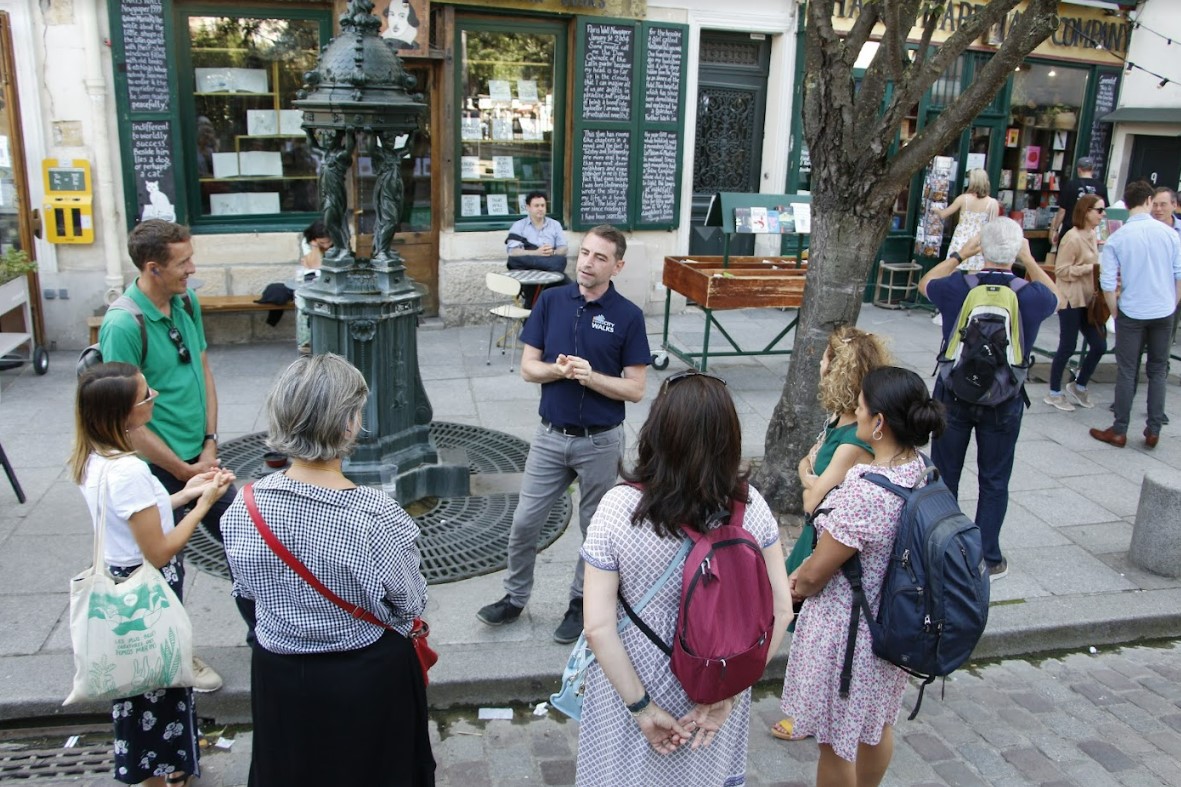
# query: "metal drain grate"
[[461, 537], [28, 764]]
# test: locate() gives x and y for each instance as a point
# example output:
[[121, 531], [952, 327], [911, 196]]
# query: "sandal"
[[784, 730]]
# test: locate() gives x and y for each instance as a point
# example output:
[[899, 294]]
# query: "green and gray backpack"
[[983, 361]]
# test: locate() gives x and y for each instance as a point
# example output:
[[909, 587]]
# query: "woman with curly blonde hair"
[[851, 354]]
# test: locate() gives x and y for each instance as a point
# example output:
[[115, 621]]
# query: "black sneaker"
[[499, 613], [998, 570], [571, 625]]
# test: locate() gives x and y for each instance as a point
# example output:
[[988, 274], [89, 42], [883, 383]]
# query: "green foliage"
[[14, 264]]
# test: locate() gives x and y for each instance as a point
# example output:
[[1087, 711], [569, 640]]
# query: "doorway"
[[731, 105], [16, 214], [1156, 159]]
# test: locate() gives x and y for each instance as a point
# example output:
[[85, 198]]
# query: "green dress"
[[834, 437]]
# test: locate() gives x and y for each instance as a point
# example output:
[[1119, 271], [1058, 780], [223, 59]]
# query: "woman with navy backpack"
[[639, 728], [896, 415]]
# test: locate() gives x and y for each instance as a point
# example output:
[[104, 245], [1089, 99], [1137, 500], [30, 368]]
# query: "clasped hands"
[[571, 367], [698, 727], [209, 485]]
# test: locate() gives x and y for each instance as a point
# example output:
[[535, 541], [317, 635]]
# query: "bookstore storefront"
[[1046, 116]]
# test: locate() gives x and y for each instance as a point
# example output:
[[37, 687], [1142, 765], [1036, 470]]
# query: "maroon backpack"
[[727, 611]]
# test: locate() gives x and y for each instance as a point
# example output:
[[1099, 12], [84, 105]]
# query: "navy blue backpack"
[[934, 602]]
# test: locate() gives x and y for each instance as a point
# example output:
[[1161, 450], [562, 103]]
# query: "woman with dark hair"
[[155, 733], [313, 245], [638, 727], [896, 415], [851, 354], [401, 25], [322, 679], [1078, 257]]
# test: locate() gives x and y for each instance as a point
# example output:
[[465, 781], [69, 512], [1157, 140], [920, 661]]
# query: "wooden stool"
[[890, 292]]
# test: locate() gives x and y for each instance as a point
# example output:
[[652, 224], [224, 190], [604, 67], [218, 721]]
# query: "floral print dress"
[[864, 516], [156, 732]]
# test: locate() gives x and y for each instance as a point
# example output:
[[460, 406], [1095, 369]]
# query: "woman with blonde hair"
[[976, 209], [850, 355], [1078, 256], [155, 733]]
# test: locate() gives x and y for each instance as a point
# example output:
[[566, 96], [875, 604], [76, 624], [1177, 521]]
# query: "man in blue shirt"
[[1142, 258], [587, 346], [996, 427], [536, 242]]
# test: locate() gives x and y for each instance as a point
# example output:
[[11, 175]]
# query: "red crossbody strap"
[[299, 568]]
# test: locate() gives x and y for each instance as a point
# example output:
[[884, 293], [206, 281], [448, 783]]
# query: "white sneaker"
[[1059, 401], [205, 679], [1081, 398], [937, 318]]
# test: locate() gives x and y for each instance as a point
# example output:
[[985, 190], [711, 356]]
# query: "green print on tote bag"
[[129, 637]]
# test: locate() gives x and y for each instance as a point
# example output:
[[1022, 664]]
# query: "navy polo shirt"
[[608, 332], [1035, 301]]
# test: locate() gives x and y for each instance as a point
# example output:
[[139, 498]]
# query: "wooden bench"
[[210, 304]]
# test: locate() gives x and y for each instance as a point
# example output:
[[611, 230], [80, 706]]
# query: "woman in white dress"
[[976, 209]]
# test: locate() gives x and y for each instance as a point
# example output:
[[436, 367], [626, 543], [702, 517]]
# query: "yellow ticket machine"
[[69, 201]]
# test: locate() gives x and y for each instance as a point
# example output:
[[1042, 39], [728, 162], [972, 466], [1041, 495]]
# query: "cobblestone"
[[1091, 741]]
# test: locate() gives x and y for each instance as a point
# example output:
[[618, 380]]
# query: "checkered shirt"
[[358, 542]]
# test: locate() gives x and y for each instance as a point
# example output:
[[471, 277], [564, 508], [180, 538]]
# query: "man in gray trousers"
[[1143, 258]]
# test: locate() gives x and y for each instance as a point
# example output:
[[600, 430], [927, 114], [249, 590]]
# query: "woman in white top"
[[155, 733], [976, 209]]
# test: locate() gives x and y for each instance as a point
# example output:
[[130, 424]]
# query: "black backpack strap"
[[642, 626], [851, 568]]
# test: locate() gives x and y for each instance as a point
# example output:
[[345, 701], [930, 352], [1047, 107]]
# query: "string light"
[[1128, 64]]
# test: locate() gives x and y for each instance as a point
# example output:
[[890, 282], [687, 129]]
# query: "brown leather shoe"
[[1150, 439], [1110, 437]]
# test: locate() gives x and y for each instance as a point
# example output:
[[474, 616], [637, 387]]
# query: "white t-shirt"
[[131, 488]]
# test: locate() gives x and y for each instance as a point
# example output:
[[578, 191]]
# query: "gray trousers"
[[555, 460], [1130, 335]]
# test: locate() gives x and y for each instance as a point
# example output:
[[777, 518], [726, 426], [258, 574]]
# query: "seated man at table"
[[537, 243]]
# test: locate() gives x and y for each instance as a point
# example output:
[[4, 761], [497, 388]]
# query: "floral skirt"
[[156, 732]]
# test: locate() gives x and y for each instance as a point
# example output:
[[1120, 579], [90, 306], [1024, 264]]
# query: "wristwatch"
[[637, 707], [957, 256], [211, 436]]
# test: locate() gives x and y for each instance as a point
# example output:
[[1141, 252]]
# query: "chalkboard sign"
[[605, 165], [1105, 93], [144, 54], [662, 77], [151, 159], [658, 176], [607, 72]]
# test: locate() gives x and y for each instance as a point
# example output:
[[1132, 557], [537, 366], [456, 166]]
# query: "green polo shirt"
[[179, 416]]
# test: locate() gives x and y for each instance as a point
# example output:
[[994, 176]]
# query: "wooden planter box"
[[748, 282]]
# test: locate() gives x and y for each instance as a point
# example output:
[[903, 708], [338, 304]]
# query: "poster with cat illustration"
[[155, 183]]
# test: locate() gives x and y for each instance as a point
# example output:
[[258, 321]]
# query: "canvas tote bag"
[[130, 636]]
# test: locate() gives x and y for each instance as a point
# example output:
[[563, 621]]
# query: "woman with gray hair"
[[323, 680]]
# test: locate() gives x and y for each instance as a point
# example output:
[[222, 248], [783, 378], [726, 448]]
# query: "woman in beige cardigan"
[[1078, 255]]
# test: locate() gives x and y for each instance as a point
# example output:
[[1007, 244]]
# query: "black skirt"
[[356, 717], [156, 733]]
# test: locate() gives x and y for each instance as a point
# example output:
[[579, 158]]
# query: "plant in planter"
[[14, 264]]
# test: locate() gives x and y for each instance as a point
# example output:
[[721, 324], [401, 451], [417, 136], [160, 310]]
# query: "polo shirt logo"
[[600, 323]]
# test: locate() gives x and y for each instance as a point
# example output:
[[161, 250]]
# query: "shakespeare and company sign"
[[1084, 33]]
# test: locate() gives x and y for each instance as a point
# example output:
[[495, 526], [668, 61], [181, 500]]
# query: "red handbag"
[[418, 633]]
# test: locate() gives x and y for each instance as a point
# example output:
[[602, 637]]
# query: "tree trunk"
[[832, 297]]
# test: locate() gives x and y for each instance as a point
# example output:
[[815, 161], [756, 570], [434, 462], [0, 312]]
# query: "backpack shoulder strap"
[[187, 301], [634, 614], [126, 303], [851, 569]]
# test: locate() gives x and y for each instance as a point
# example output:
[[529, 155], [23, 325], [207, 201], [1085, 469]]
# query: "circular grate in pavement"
[[461, 537], [20, 764]]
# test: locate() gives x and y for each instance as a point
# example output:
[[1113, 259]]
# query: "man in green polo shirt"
[[181, 439]]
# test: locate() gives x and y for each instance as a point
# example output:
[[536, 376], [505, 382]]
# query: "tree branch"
[[1035, 25], [930, 22], [860, 32]]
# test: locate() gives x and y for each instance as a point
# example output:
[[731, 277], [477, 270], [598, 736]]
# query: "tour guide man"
[[587, 346], [181, 439]]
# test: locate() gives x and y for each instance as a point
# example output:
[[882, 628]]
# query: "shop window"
[[949, 85], [511, 90], [1040, 140], [247, 158]]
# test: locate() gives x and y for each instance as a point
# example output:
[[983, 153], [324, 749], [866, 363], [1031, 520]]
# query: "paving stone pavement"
[[1090, 720]]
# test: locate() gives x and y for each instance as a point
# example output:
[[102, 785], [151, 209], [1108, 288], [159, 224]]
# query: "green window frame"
[[529, 168], [296, 183]]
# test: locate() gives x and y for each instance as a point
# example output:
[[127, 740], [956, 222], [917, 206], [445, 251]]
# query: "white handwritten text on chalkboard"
[[662, 80], [607, 73], [606, 161], [144, 54]]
